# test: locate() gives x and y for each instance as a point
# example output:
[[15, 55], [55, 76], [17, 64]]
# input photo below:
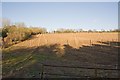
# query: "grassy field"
[[74, 49]]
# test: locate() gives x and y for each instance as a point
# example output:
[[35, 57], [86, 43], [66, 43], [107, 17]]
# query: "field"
[[68, 49]]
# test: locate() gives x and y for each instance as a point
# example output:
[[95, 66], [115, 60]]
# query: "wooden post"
[[90, 43], [74, 41], [95, 72], [101, 43], [79, 43], [67, 42], [101, 40], [112, 40], [42, 71], [117, 44], [109, 43]]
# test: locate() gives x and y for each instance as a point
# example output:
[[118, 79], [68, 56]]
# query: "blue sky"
[[54, 15], [60, 0], [0, 9]]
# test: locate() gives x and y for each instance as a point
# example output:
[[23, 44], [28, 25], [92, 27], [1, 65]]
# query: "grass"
[[14, 61], [19, 61]]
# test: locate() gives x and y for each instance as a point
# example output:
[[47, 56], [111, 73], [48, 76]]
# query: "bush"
[[64, 31], [14, 34]]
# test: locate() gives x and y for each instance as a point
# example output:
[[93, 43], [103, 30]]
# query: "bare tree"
[[6, 22], [20, 24]]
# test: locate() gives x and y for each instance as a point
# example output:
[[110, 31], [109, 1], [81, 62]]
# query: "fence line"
[[94, 68]]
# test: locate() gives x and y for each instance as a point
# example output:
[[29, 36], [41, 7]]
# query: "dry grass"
[[24, 59], [75, 40]]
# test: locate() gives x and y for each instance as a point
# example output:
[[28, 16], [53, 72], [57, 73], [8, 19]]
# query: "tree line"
[[15, 33], [62, 30]]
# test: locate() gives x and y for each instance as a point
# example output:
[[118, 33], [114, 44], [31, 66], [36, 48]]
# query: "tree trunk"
[[3, 42]]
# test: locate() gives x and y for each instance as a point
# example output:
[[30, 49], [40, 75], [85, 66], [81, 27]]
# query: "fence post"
[[75, 41], [117, 44], [101, 40], [67, 42], [109, 43], [42, 71], [90, 43], [112, 40], [95, 72]]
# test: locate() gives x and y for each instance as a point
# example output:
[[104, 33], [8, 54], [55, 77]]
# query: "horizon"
[[55, 15]]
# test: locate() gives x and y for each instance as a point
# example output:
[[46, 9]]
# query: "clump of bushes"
[[13, 34], [65, 31]]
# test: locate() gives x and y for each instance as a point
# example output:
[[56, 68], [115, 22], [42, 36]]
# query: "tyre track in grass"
[[15, 68]]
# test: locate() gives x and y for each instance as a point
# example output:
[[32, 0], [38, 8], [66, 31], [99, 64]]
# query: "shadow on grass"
[[23, 62], [110, 43]]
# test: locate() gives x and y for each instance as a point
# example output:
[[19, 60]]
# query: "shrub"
[[14, 34]]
